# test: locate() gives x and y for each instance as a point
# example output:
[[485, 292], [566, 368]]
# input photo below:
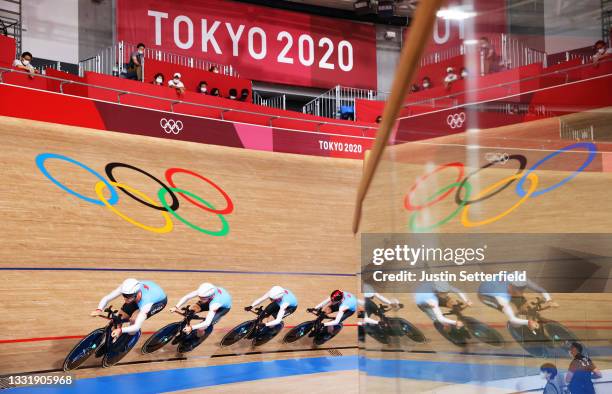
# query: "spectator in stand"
[[414, 88], [463, 73], [601, 51], [487, 56], [426, 83], [215, 92], [553, 384], [581, 371], [24, 63], [450, 77], [158, 79], [203, 87], [177, 84], [134, 68], [244, 94], [213, 69], [233, 94], [379, 119]]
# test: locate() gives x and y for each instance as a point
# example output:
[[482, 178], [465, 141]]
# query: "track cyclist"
[[212, 299], [369, 307], [142, 299], [342, 302], [504, 295], [431, 296], [282, 304]]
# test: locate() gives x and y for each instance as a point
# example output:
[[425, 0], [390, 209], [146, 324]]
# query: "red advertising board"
[[262, 43]]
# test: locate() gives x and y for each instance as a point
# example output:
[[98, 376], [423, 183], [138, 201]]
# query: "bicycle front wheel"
[[82, 350]]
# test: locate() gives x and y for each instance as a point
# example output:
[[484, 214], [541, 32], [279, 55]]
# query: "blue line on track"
[[191, 378], [171, 271]]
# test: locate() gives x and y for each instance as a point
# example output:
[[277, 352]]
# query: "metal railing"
[[512, 54], [223, 110], [114, 60], [330, 104], [279, 102], [10, 21]]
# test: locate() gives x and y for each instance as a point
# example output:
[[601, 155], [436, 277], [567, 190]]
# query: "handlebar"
[[319, 313], [385, 308], [189, 314], [256, 311]]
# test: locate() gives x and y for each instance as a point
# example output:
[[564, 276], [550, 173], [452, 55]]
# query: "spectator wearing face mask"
[[601, 51], [487, 55], [378, 119], [233, 94], [158, 79], [213, 69], [134, 69], [203, 87], [463, 73], [554, 385], [426, 83], [215, 92], [177, 84], [414, 88], [450, 77], [244, 94], [581, 371], [24, 63]]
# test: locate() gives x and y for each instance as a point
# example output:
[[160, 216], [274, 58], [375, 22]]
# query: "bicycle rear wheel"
[[376, 332], [266, 334], [483, 332], [191, 343], [84, 349], [120, 349], [298, 331], [321, 339], [161, 338], [402, 327], [559, 335], [536, 344], [237, 333]]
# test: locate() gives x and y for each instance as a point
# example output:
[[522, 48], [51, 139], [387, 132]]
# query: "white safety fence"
[[279, 102], [115, 59]]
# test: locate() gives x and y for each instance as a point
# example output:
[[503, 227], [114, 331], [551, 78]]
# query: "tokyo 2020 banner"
[[262, 43]]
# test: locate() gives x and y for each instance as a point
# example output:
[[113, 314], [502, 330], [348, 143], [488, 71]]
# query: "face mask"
[[25, 62], [159, 80], [464, 74], [176, 80], [425, 85], [602, 50], [216, 71], [203, 90], [543, 375], [140, 52]]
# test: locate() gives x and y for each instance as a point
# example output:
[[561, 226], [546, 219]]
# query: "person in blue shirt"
[[212, 299], [342, 302], [142, 299]]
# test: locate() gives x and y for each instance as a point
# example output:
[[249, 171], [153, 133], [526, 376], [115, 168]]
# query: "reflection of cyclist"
[[283, 304], [143, 299], [370, 308], [503, 295], [216, 300], [431, 296], [339, 301]]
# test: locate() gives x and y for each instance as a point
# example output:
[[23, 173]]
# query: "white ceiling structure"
[[402, 7]]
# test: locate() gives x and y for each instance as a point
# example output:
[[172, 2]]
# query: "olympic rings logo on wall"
[[462, 186], [455, 121], [171, 126], [161, 205]]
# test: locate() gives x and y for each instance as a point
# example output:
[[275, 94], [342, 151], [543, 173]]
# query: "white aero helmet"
[[130, 287], [276, 292], [441, 286], [206, 290]]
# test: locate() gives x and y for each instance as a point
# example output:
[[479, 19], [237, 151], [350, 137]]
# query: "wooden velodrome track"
[[290, 226]]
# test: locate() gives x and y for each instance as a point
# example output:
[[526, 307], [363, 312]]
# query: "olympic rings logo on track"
[[455, 121], [171, 126], [165, 208], [461, 184]]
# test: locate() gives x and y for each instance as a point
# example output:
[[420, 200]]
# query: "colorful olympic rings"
[[160, 230], [142, 198], [592, 152], [490, 191]]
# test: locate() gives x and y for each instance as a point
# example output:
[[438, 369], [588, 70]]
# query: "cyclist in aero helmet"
[[216, 300], [368, 308], [142, 299], [342, 302], [430, 296], [283, 303], [504, 294]]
